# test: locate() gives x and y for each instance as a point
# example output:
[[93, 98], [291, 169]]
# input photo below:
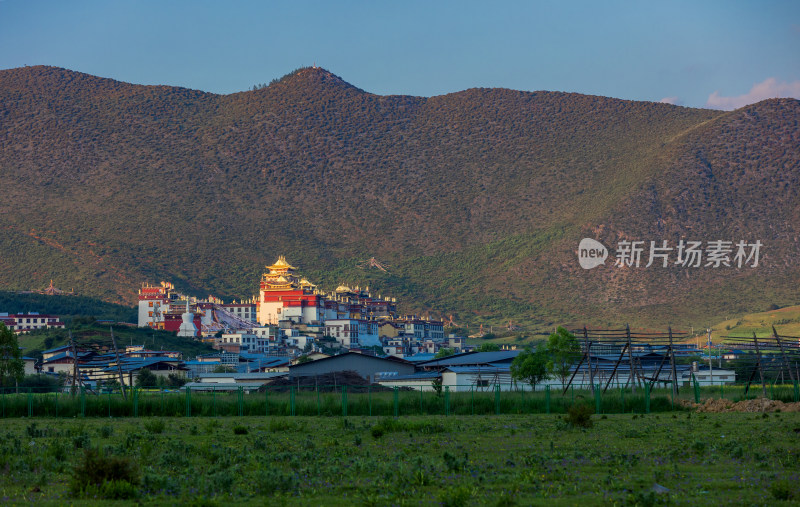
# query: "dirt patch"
[[716, 405]]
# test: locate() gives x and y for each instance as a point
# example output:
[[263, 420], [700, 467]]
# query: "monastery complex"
[[291, 316]]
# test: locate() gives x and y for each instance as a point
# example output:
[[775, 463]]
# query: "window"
[[151, 304], [51, 369], [482, 383]]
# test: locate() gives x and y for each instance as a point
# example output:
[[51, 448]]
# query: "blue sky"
[[719, 54]]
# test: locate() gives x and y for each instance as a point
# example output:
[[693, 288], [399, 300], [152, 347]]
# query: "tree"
[[11, 364], [445, 352], [563, 349], [303, 360], [41, 383], [174, 380], [146, 378], [436, 385], [530, 366], [222, 368], [488, 347]]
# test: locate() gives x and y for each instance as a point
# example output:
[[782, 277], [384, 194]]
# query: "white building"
[[25, 322], [353, 333], [247, 342], [705, 377]]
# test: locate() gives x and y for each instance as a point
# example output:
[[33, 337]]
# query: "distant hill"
[[95, 336], [66, 307], [476, 200], [786, 321]]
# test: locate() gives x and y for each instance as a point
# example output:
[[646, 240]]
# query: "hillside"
[[476, 199], [786, 321], [93, 335], [66, 307]]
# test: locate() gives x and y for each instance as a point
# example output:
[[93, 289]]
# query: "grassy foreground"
[[680, 458]]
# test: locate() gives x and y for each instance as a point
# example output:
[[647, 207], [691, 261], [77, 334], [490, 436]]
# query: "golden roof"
[[281, 264], [343, 288]]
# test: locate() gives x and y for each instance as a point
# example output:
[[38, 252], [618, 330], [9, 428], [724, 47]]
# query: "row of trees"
[[553, 357], [12, 368]]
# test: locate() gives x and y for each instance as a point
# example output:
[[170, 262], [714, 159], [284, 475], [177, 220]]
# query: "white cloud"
[[675, 101], [768, 89]]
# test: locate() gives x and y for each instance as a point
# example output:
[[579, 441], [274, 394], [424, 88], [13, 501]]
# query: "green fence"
[[340, 400]]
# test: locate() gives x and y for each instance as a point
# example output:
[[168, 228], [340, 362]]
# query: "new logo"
[[591, 253]]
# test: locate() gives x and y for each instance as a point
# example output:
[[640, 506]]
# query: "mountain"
[[475, 200]]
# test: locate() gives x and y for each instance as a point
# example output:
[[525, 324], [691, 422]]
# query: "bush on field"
[[389, 425], [110, 477], [155, 425], [782, 490], [579, 416]]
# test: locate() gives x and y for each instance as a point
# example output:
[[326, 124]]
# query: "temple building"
[[283, 295]]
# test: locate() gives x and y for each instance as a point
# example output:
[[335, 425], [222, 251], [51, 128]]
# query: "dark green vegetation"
[[339, 400], [475, 200], [89, 333], [66, 307], [12, 368], [505, 460]]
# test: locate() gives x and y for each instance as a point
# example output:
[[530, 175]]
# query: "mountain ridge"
[[157, 178]]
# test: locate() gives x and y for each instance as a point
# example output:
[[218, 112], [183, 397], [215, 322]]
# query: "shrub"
[[239, 430], [269, 481], [782, 490], [112, 490], [454, 464], [456, 496], [154, 425], [81, 441], [579, 416], [112, 477], [35, 432]]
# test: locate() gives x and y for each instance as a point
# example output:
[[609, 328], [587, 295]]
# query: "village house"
[[26, 322]]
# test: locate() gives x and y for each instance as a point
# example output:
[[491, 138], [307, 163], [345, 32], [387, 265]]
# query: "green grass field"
[[713, 459]]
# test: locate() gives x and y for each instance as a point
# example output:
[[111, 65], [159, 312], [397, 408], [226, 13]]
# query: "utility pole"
[[674, 374], [74, 363], [631, 378], [119, 366], [710, 363], [588, 357]]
